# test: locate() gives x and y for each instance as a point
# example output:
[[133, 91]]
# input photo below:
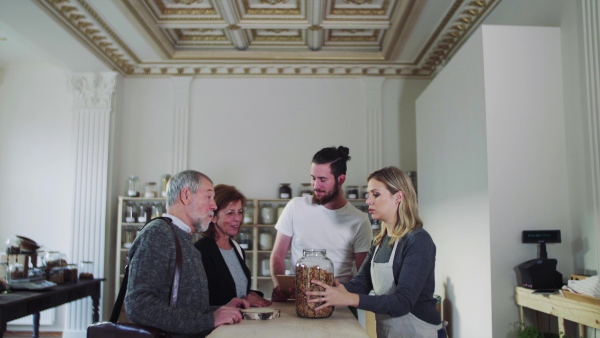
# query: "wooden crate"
[[581, 298]]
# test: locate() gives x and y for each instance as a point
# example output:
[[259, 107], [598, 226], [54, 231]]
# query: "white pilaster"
[[591, 43], [181, 112], [92, 105], [374, 94]]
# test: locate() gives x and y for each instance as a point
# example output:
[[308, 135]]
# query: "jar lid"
[[284, 184], [151, 183]]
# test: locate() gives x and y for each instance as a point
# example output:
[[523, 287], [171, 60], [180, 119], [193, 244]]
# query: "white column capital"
[[92, 90]]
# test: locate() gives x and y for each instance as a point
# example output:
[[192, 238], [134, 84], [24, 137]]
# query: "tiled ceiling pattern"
[[274, 24], [277, 37]]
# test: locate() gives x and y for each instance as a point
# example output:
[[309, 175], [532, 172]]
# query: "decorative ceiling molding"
[[275, 37]]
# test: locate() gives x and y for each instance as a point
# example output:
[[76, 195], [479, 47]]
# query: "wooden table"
[[342, 323], [585, 314], [19, 304]]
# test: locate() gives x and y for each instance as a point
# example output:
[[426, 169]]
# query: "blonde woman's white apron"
[[407, 326]]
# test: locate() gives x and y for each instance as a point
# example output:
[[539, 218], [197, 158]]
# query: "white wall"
[[453, 188], [568, 16], [36, 163], [585, 231], [527, 160], [258, 132], [502, 169]]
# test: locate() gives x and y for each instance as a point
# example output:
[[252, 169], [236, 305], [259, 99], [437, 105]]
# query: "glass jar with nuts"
[[314, 265]]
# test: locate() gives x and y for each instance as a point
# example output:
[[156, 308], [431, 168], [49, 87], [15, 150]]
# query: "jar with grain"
[[57, 275], [86, 270], [15, 272], [70, 273], [314, 265]]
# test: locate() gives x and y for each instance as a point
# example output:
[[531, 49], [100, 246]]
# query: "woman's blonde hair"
[[396, 180]]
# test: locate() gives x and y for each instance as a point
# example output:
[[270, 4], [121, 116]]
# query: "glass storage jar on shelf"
[[13, 245], [57, 275], [285, 191], [314, 265], [265, 265], [130, 233], [151, 190], [143, 213], [157, 210], [16, 271], [132, 186], [164, 181], [130, 212], [364, 192], [352, 192], [280, 209], [70, 273], [265, 240], [249, 213], [86, 270], [54, 259], [306, 190], [245, 237], [267, 214]]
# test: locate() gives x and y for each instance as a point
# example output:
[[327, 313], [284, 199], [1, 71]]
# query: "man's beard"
[[327, 197], [200, 226]]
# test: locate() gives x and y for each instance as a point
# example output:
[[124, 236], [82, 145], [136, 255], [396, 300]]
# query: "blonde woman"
[[399, 267]]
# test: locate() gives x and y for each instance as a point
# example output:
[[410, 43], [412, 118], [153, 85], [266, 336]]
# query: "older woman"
[[223, 259], [399, 267]]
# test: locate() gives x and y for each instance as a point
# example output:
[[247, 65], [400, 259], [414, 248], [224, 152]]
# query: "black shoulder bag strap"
[[114, 317]]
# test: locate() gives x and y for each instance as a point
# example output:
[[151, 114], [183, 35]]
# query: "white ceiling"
[[398, 38]]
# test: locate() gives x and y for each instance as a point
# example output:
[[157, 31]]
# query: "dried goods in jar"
[[304, 275], [314, 265], [57, 275]]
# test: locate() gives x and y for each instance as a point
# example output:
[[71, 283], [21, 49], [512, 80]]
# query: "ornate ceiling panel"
[[273, 37]]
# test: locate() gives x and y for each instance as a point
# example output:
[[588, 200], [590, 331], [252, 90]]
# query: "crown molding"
[[199, 58]]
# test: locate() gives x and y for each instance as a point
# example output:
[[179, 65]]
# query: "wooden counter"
[[341, 324], [558, 305]]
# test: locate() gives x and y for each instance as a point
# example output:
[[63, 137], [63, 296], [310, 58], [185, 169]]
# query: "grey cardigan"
[[152, 262], [413, 266]]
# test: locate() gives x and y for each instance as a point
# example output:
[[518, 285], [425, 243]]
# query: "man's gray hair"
[[186, 179]]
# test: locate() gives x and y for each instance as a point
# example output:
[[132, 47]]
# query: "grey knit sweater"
[[413, 267], [152, 262]]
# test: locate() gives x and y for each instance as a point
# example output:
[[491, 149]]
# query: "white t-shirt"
[[341, 232]]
